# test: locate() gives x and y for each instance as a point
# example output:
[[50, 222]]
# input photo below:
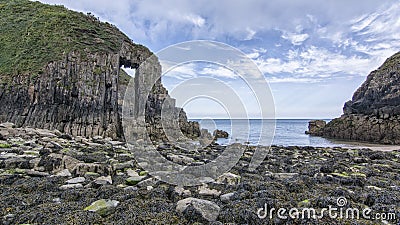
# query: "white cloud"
[[376, 34], [250, 34], [314, 62], [182, 72], [296, 39], [165, 20], [253, 55], [218, 71]]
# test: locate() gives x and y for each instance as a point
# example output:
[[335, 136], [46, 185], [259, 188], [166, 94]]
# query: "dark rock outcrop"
[[373, 114], [314, 126], [81, 93], [220, 134]]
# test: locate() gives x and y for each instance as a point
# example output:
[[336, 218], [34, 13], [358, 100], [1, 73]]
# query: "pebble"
[[64, 173], [204, 190], [103, 180], [76, 180], [70, 186], [226, 197]]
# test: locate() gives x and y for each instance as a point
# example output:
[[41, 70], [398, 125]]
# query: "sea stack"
[[373, 114]]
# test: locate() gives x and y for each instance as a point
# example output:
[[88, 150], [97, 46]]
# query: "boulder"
[[76, 180], [103, 207], [315, 126], [134, 180], [220, 134], [198, 209]]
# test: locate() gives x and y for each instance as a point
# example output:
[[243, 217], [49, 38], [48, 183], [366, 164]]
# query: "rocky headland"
[[373, 114], [62, 70]]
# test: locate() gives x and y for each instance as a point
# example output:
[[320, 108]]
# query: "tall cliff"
[[61, 69], [373, 114]]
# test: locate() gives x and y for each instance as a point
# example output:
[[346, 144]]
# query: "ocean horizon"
[[287, 132]]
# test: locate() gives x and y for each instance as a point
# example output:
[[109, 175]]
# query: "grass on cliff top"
[[34, 34]]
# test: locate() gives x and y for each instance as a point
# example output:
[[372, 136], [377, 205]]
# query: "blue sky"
[[313, 53]]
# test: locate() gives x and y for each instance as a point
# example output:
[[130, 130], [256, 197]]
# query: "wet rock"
[[198, 210], [147, 182], [205, 191], [70, 186], [76, 180], [373, 188], [82, 168], [377, 156], [122, 166], [130, 188], [64, 173], [132, 173], [315, 126], [65, 136], [51, 162], [220, 134], [149, 188], [69, 163], [227, 197], [103, 207], [34, 173], [180, 191], [54, 146], [103, 180], [17, 162], [228, 178], [117, 143], [134, 180], [45, 133], [7, 125], [360, 160]]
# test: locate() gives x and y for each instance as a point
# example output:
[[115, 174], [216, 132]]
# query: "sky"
[[314, 54]]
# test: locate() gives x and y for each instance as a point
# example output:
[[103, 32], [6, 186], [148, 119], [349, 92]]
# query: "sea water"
[[285, 132]]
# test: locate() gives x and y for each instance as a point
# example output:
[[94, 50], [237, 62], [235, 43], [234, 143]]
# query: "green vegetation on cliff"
[[33, 34]]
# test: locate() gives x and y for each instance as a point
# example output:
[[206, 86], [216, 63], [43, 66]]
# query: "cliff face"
[[373, 114], [379, 95], [75, 84]]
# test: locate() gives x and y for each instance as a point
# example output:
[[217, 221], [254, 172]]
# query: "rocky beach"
[[49, 177]]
